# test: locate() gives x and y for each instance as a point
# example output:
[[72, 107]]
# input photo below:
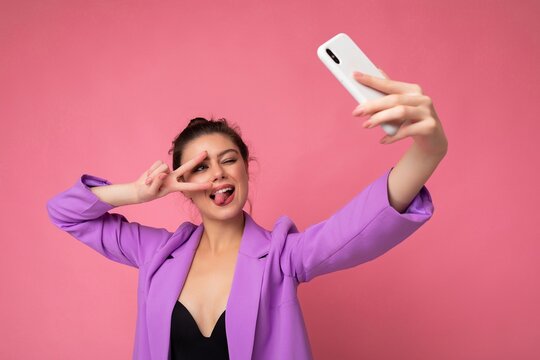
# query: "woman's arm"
[[409, 175], [388, 210], [363, 229], [85, 216], [116, 194], [83, 211], [406, 104]]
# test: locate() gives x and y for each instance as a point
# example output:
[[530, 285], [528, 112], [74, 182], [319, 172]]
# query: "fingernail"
[[358, 111]]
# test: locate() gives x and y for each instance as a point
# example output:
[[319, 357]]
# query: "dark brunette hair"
[[200, 126]]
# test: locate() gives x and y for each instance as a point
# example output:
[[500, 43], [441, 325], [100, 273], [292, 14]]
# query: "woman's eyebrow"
[[223, 153]]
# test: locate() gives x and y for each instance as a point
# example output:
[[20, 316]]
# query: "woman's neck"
[[222, 236]]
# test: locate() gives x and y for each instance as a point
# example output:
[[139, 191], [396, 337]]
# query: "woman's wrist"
[[117, 194]]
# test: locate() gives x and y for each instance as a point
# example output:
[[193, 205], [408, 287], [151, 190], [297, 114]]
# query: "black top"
[[187, 341]]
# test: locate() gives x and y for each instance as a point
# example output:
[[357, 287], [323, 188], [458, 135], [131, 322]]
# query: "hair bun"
[[197, 121]]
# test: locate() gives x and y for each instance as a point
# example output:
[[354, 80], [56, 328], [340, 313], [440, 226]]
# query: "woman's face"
[[222, 165]]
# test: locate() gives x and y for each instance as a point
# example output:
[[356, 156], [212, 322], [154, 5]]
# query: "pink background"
[[102, 87]]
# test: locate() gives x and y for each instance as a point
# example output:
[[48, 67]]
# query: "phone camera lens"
[[334, 57]]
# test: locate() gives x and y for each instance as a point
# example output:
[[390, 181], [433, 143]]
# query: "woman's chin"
[[224, 212]]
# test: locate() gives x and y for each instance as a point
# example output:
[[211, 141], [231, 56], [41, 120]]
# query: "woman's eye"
[[202, 166]]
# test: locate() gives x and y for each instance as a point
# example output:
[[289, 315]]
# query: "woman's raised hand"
[[159, 181], [407, 105]]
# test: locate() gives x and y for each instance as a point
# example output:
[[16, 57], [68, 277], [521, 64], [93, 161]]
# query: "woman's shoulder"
[[281, 226]]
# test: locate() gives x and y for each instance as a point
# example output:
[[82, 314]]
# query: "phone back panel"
[[351, 58]]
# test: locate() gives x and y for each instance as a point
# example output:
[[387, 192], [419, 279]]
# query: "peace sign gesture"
[[159, 181], [406, 105]]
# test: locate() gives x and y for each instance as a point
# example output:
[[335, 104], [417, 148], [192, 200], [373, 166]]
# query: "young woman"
[[226, 288]]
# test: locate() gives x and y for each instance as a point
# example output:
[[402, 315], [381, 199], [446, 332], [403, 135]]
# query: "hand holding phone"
[[342, 57]]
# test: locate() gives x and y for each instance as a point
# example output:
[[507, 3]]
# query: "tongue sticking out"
[[221, 197]]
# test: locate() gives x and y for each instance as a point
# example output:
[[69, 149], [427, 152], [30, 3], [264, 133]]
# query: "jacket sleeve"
[[79, 212], [365, 228]]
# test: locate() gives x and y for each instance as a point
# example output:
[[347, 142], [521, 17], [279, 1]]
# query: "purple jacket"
[[263, 318]]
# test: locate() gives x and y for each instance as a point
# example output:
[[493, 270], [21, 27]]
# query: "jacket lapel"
[[243, 303], [165, 278], [168, 271]]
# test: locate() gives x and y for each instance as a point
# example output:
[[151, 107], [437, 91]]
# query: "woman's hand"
[[159, 181], [406, 105]]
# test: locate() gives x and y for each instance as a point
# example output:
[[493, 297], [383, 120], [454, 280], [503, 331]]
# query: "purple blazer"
[[263, 318]]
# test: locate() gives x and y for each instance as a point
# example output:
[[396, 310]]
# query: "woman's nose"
[[218, 173]]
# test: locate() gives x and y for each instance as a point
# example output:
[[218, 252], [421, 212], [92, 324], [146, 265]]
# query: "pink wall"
[[103, 87]]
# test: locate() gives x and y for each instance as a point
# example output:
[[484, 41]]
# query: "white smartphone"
[[342, 56]]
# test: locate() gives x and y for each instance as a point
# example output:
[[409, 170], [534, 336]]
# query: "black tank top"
[[187, 341]]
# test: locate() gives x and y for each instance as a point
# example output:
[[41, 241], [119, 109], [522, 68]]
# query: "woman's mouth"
[[222, 198]]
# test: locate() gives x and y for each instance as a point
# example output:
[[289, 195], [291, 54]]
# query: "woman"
[[227, 288]]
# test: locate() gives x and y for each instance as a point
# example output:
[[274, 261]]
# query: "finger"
[[375, 105], [397, 114], [153, 167], [386, 85], [170, 184], [157, 181], [407, 129], [190, 164], [160, 169], [192, 186]]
